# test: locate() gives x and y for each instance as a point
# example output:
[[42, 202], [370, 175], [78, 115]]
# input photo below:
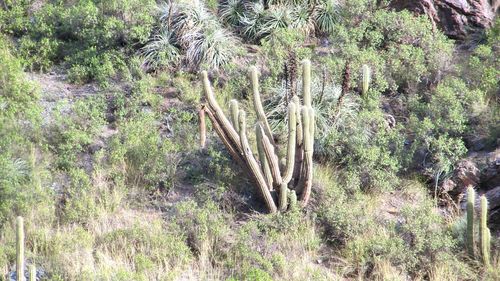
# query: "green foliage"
[[438, 129], [19, 134], [402, 50], [277, 47], [86, 35]]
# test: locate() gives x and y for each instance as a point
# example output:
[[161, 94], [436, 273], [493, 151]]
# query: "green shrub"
[[92, 37], [20, 116]]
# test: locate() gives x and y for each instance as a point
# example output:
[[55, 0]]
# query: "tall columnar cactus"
[[366, 79], [290, 180], [471, 197], [20, 249], [484, 232]]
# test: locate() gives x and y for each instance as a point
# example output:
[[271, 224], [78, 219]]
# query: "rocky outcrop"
[[456, 18]]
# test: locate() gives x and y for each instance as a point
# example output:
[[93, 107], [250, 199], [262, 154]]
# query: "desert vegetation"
[[246, 140]]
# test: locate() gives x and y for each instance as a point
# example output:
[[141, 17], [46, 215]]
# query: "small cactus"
[[32, 271], [471, 197], [484, 232], [20, 249], [203, 128], [366, 79]]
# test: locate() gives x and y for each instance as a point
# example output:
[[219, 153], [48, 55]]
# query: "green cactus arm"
[[292, 140], [306, 82], [203, 128], [20, 249], [259, 109], [272, 160], [312, 126], [366, 79], [300, 135], [471, 197], [221, 119], [483, 231], [264, 164], [225, 139], [283, 193], [234, 108], [253, 166], [308, 153]]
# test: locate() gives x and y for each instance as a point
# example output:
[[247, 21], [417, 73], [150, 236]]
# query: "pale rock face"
[[456, 18]]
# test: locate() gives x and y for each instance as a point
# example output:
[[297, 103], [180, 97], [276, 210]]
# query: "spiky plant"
[[326, 13], [20, 249], [300, 19], [366, 79], [32, 272], [267, 173], [199, 34], [161, 51], [231, 11], [484, 232], [252, 21], [471, 198]]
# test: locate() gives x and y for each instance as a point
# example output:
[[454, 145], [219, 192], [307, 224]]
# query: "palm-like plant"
[[252, 21], [160, 51], [325, 15], [231, 11], [197, 32], [300, 18]]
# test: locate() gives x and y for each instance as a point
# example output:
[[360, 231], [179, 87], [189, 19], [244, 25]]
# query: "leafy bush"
[[20, 116], [86, 34], [402, 50]]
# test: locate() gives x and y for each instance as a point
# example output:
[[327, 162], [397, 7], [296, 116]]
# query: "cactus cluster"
[[276, 182], [484, 231]]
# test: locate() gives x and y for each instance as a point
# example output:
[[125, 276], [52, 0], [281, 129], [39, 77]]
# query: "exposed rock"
[[490, 177], [456, 18], [493, 196], [466, 173]]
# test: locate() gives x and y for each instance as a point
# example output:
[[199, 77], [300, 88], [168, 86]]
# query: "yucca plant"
[[231, 11], [252, 21], [326, 15], [300, 18], [198, 33], [295, 176], [160, 51]]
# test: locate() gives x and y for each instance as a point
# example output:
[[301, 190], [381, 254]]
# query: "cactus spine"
[[484, 232], [266, 172], [471, 197], [366, 79], [20, 249]]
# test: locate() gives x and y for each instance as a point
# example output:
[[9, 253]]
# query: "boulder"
[[456, 18]]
